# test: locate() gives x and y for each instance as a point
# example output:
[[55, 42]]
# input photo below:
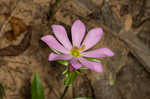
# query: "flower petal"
[[61, 35], [92, 38], [98, 53], [91, 65], [53, 43], [78, 32], [75, 63], [53, 57]]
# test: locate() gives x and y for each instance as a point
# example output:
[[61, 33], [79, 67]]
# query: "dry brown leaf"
[[15, 50], [116, 11], [98, 2], [9, 35], [128, 22], [18, 26]]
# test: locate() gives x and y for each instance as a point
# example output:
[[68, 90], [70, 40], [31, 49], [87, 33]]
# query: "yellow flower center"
[[75, 51]]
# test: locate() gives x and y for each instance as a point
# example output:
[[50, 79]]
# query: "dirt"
[[124, 76]]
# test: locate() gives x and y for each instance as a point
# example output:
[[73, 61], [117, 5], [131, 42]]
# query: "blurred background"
[[126, 25]]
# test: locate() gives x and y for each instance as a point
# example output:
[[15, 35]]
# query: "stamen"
[[82, 48], [75, 51]]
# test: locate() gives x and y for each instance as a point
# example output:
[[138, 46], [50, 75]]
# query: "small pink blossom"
[[76, 52]]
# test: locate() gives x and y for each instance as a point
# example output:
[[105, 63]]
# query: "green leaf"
[[83, 68], [2, 91], [70, 77], [84, 98], [65, 72], [37, 88], [63, 62], [57, 52], [95, 60], [77, 71]]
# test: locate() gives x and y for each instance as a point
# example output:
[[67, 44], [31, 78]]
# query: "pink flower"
[[77, 51]]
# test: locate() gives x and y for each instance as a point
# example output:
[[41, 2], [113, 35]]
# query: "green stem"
[[65, 90]]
